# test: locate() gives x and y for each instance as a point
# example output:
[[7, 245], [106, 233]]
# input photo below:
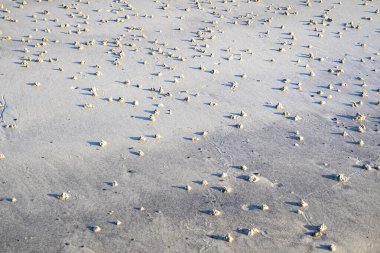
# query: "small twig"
[[4, 108]]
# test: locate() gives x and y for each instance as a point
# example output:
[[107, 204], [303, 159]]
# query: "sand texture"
[[189, 126]]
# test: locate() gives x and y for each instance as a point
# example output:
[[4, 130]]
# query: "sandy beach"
[[189, 126]]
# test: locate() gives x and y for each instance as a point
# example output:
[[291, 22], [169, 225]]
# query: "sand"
[[189, 126]]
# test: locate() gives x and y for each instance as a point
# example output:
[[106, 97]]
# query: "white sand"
[[53, 126]]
